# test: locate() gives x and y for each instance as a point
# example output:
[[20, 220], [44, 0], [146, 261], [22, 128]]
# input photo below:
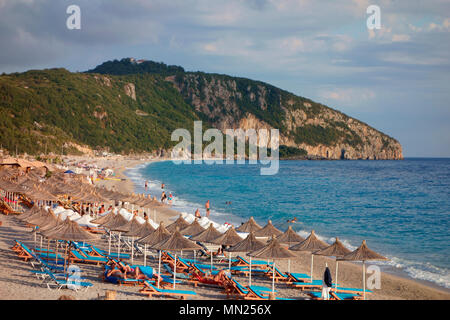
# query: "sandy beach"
[[17, 282]]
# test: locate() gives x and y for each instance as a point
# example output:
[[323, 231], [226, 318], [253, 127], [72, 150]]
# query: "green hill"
[[133, 106]]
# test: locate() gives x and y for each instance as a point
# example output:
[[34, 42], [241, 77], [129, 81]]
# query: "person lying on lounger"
[[127, 272]]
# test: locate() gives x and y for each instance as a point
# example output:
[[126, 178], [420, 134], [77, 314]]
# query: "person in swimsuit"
[[207, 208], [169, 199], [122, 271], [197, 214], [163, 197]]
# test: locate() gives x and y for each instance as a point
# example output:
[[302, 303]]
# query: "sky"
[[395, 78]]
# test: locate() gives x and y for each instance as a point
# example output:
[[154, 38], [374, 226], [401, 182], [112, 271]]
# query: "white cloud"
[[348, 96]]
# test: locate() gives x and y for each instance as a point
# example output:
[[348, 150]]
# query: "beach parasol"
[[131, 226], [363, 253], [105, 218], [116, 221], [229, 238], [160, 234], [268, 231], [192, 229], [176, 242], [207, 235], [310, 244], [289, 237], [337, 249], [69, 231], [249, 226], [180, 223], [273, 251], [247, 245]]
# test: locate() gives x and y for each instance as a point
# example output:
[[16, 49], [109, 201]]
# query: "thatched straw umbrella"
[[272, 251], [338, 250], [69, 231], [180, 223], [249, 244], [310, 244], [160, 234], [192, 229], [131, 226], [363, 253], [144, 230], [249, 226], [116, 221], [176, 242], [268, 231], [289, 237], [105, 218], [229, 238], [207, 235], [119, 224]]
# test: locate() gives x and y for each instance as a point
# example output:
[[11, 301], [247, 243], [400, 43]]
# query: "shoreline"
[[399, 286]]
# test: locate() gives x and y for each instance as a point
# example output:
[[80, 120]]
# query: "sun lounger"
[[76, 256], [241, 261], [94, 251], [297, 277], [245, 270], [279, 275], [74, 284], [350, 290], [234, 288], [344, 296], [150, 290], [315, 284], [255, 294]]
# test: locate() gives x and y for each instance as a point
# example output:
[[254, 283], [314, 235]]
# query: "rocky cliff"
[[229, 102]]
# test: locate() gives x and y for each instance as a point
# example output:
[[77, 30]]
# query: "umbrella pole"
[[312, 264], [132, 249], [145, 255], [118, 249], [211, 259], [109, 245], [250, 273], [159, 267], [273, 277], [337, 266], [65, 255], [364, 279], [174, 271], [56, 252], [229, 263], [289, 265]]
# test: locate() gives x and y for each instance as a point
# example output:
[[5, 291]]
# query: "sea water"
[[401, 208]]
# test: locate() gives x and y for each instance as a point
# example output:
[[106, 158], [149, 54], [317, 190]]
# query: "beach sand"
[[16, 281]]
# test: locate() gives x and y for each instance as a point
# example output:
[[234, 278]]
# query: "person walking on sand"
[[326, 283], [163, 197], [207, 208]]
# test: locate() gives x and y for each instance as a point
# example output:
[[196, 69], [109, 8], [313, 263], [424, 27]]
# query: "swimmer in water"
[[292, 220]]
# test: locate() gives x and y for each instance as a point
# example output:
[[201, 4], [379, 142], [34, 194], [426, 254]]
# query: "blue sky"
[[396, 78]]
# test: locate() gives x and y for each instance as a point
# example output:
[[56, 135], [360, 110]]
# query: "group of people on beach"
[[169, 200]]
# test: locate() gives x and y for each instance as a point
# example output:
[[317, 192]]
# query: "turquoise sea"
[[402, 208]]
